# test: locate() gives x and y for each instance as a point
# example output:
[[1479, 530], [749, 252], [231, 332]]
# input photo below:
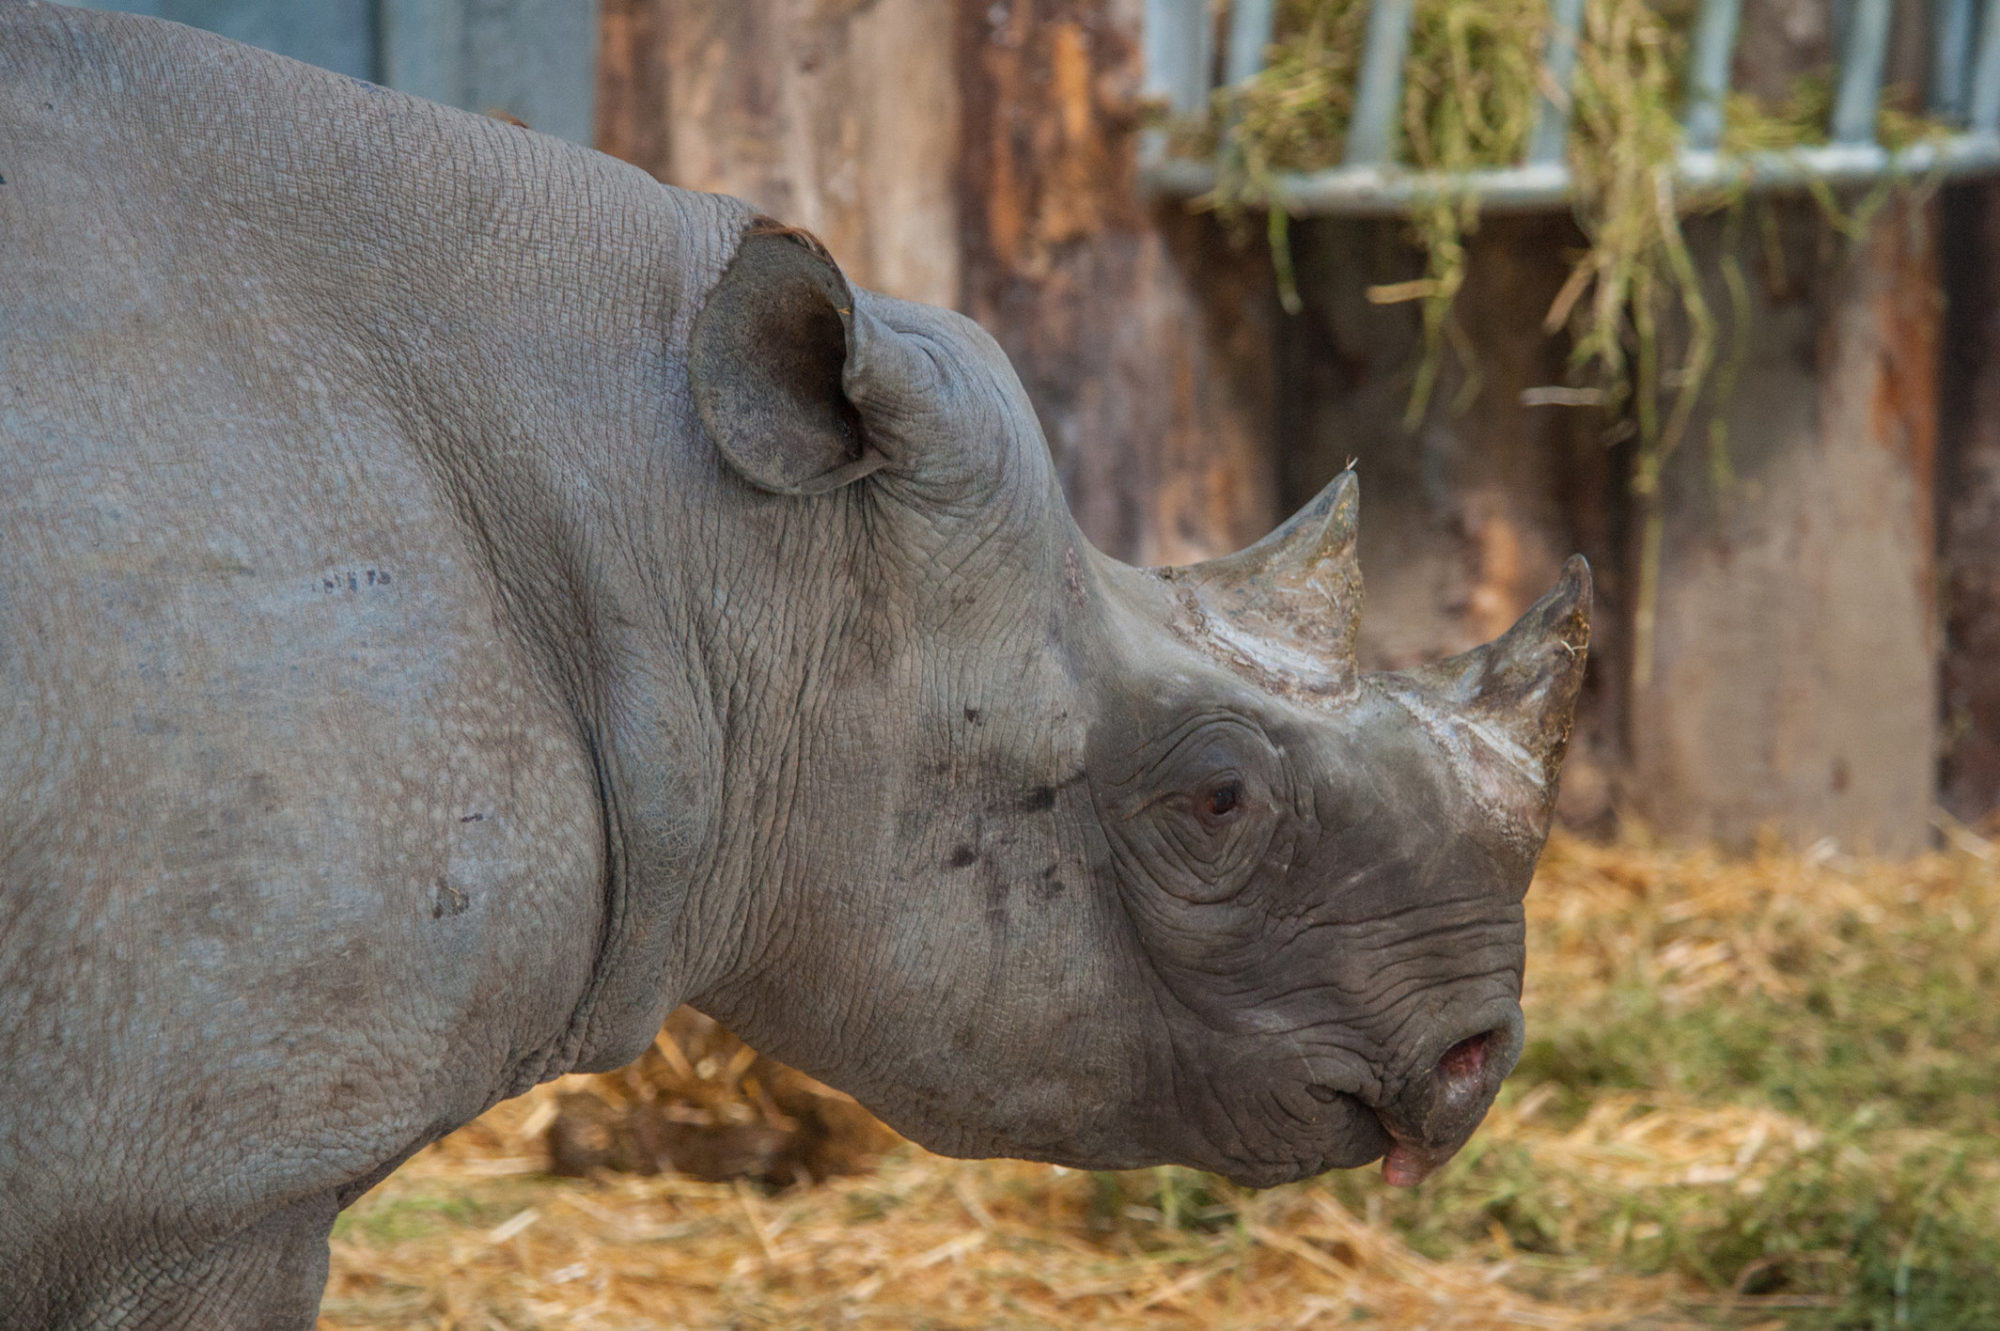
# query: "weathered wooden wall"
[[980, 155], [1143, 336], [840, 118]]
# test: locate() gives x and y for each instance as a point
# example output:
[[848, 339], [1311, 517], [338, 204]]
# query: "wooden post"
[[839, 118], [1970, 507], [1794, 686], [1142, 334]]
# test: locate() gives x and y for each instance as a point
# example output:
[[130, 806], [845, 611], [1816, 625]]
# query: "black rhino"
[[460, 599]]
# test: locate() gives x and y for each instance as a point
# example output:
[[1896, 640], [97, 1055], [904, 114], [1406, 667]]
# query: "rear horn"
[[1290, 605]]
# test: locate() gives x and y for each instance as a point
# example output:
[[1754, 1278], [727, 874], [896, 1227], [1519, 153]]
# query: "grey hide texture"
[[460, 599]]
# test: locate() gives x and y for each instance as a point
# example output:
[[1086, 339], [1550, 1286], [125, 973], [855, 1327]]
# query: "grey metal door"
[[535, 59]]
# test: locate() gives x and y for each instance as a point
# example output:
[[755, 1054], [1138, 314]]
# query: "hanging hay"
[[1646, 330], [1472, 91], [1758, 1093]]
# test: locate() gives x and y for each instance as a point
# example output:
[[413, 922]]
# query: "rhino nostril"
[[1465, 1062]]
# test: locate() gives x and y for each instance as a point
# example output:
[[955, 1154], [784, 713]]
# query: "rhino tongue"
[[1405, 1166]]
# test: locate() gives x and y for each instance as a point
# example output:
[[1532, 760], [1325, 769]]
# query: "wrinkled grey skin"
[[460, 599]]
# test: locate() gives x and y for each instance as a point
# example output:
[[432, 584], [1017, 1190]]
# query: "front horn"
[[1502, 712], [1521, 688]]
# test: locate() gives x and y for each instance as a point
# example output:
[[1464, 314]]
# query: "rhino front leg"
[[267, 1277]]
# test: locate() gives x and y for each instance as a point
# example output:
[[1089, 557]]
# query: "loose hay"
[[1693, 1200], [700, 1102]]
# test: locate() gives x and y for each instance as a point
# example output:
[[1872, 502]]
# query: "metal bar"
[[1176, 54], [1861, 61], [1846, 164], [1708, 74], [1171, 49], [1369, 192], [1551, 138], [1250, 26], [1984, 116], [1951, 57], [1371, 135]]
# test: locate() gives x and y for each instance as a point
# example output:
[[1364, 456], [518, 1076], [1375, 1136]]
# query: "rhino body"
[[460, 599]]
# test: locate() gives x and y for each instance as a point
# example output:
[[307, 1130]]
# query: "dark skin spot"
[[972, 716], [1039, 799], [962, 857]]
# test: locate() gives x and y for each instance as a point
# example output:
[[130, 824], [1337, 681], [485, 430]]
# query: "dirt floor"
[[1759, 1093]]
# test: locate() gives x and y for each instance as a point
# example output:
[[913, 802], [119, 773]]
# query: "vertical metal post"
[[1861, 60], [1551, 137], [1708, 73], [1951, 57], [1371, 134], [1984, 116], [1250, 26], [1177, 53], [1173, 46]]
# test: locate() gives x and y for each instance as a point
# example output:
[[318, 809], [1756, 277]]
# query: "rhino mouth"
[[1408, 1163], [1461, 1085], [1261, 1137], [1413, 1137]]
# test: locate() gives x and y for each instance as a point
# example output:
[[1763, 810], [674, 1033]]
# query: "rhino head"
[[1048, 856]]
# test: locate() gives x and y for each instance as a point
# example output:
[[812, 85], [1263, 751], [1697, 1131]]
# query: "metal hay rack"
[[1964, 92]]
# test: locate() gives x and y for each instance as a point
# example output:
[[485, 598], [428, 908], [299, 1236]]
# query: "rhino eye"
[[1220, 801]]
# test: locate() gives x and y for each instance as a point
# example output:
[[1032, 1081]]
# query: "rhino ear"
[[769, 365]]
